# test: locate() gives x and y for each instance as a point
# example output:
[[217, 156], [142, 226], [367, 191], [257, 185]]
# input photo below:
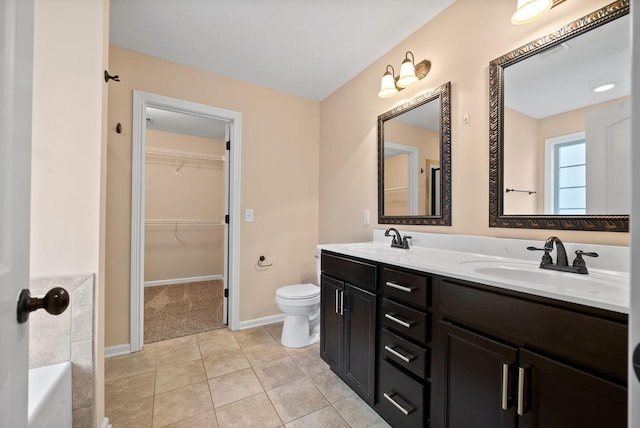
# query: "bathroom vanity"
[[441, 337]]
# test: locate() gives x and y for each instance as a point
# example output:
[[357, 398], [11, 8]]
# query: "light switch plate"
[[366, 217], [248, 215]]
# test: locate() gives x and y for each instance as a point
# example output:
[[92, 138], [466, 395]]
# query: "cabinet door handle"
[[406, 359], [398, 406], [505, 386], [398, 321], [337, 301], [342, 303], [399, 287], [522, 371]]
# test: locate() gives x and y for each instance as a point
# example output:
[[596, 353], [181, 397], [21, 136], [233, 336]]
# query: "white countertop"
[[601, 288]]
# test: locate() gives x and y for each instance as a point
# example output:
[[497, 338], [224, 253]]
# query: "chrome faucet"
[[397, 240], [562, 262]]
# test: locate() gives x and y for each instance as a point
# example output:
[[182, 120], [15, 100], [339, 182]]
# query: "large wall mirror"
[[414, 161], [560, 128]]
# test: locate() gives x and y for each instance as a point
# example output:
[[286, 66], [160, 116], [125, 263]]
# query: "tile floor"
[[230, 379]]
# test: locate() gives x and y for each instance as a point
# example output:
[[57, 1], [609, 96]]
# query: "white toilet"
[[300, 304]]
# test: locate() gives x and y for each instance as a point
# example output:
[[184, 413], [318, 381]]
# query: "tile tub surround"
[[606, 287], [68, 337], [230, 379]]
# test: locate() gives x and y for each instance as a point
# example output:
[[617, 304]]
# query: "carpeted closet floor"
[[178, 310]]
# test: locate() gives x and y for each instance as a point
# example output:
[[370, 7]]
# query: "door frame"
[[142, 100]]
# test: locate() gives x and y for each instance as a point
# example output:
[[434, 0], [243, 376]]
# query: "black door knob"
[[55, 302]]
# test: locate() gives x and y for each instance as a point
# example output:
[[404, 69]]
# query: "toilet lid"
[[298, 291]]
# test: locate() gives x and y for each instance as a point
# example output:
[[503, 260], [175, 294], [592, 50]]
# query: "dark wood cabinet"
[[496, 369], [348, 322]]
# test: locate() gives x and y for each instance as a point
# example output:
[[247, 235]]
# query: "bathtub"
[[50, 396]]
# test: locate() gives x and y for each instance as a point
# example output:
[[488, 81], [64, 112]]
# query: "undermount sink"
[[594, 283]]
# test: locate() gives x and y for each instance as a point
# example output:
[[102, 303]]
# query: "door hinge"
[[229, 145], [226, 218], [226, 292]]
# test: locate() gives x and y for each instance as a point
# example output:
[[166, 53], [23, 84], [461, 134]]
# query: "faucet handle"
[[546, 258], [580, 253], [579, 261]]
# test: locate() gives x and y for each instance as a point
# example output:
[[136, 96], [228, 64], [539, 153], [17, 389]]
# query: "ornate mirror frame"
[[497, 218], [443, 94]]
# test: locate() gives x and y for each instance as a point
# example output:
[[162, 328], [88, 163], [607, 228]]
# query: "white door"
[[16, 61], [608, 136]]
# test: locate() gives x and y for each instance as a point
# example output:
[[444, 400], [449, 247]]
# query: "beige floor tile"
[[137, 413], [255, 411], [323, 418], [177, 342], [358, 414], [234, 386], [264, 353], [315, 348], [119, 392], [182, 403], [177, 353], [275, 330], [330, 385], [296, 399], [217, 342], [205, 420], [278, 372], [309, 361], [252, 337], [222, 364], [131, 364], [179, 375]]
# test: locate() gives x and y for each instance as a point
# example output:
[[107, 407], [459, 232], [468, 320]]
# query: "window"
[[565, 175]]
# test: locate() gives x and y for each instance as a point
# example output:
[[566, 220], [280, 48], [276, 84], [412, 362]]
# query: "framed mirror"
[[414, 161], [560, 130]]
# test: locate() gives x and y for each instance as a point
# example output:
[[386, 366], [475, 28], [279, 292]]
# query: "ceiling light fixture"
[[409, 74], [604, 87], [530, 10]]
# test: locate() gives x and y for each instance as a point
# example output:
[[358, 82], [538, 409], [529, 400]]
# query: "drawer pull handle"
[[406, 359], [398, 321], [505, 386], [398, 406], [521, 405], [400, 287], [337, 301]]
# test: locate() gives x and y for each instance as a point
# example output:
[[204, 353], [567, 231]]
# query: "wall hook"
[[107, 76], [119, 128]]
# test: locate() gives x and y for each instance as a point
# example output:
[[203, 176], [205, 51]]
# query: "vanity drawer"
[[406, 321], [406, 287], [401, 399], [353, 272], [404, 353]]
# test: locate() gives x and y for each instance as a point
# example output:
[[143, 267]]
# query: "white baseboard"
[[114, 351], [260, 321], [183, 280]]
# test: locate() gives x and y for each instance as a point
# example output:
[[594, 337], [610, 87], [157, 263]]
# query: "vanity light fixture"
[[409, 74], [530, 10], [388, 85]]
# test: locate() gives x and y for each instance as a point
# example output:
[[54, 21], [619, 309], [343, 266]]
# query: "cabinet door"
[[480, 380], [331, 322], [360, 337], [557, 395]]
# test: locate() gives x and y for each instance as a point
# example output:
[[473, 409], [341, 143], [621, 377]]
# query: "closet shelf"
[[179, 154], [180, 221]]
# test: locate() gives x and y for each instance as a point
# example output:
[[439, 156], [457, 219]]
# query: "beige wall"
[[522, 165], [280, 135], [183, 189], [68, 162], [459, 53]]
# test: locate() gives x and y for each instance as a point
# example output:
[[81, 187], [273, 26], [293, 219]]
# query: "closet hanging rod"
[[200, 221], [182, 154]]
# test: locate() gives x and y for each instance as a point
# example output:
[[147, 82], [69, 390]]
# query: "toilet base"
[[297, 332]]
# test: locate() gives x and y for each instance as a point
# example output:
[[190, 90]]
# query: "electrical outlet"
[[366, 217], [248, 215]]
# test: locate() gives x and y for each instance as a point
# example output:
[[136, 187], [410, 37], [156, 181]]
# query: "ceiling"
[[306, 48]]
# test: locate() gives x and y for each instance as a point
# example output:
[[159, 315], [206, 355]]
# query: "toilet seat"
[[298, 291]]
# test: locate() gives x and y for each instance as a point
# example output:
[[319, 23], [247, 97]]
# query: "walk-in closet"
[[184, 244]]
